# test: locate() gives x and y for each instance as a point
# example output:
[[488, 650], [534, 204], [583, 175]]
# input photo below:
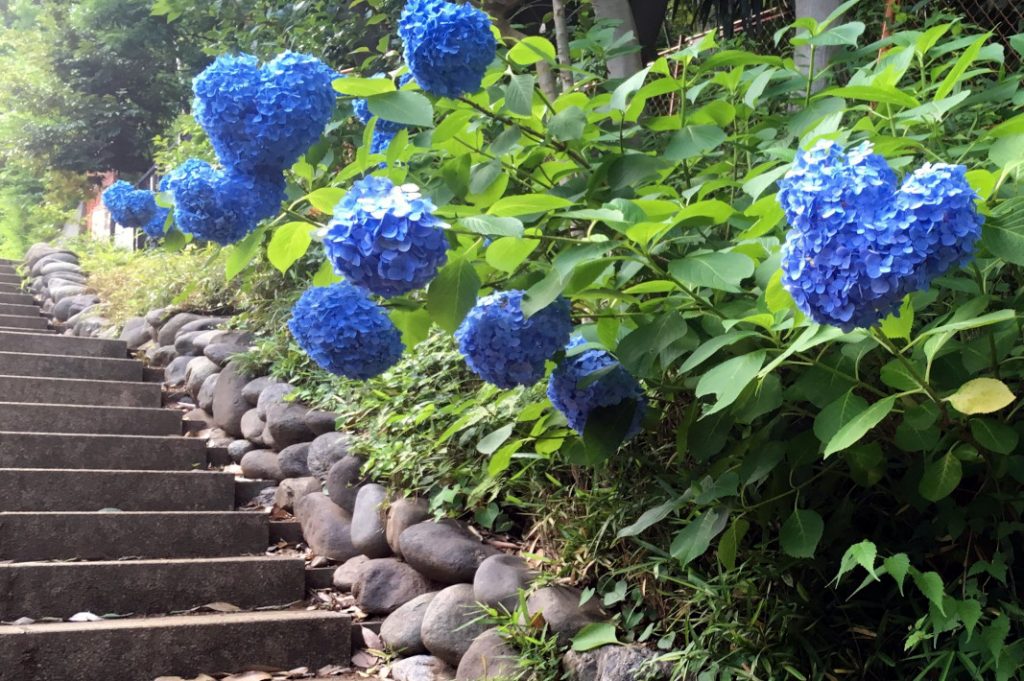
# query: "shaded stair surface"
[[105, 508]]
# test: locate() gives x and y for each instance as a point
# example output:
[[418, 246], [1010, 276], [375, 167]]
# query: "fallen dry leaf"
[[250, 676], [219, 606]]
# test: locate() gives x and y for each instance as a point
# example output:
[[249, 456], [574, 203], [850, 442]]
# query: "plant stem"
[[908, 365], [536, 136]]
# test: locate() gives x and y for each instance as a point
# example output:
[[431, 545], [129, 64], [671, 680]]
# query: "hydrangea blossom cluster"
[[261, 119], [155, 227], [448, 47], [505, 348], [385, 237], [860, 243], [129, 206], [220, 205], [613, 387], [345, 332]]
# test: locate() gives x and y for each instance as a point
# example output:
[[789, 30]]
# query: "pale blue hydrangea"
[[576, 396], [220, 205], [129, 206], [448, 47], [260, 120], [505, 348], [345, 332], [385, 238], [859, 243]]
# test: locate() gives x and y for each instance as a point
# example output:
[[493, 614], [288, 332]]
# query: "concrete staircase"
[[105, 508]]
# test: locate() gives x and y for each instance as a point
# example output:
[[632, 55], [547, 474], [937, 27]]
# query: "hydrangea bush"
[[345, 332], [504, 347], [736, 261], [385, 238]]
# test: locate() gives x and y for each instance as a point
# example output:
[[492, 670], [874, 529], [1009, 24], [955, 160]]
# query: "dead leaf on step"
[[84, 617], [371, 640], [333, 670], [249, 676], [363, 659], [219, 606], [297, 673]]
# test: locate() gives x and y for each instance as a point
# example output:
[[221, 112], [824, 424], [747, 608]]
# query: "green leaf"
[[930, 584], [363, 87], [693, 141], [728, 545], [994, 436], [961, 66], [727, 380], [501, 459], [606, 429], [242, 253], [325, 275], [528, 204], [519, 94], [594, 635], [997, 317], [873, 93], [867, 463], [452, 293], [568, 125], [801, 533], [405, 106], [626, 89], [969, 611], [859, 426], [508, 253], [844, 34], [653, 516], [711, 346], [693, 540], [837, 414], [496, 438], [325, 198], [490, 225], [719, 271], [899, 325], [531, 50], [289, 243], [981, 396], [897, 566], [940, 477], [414, 325], [864, 554]]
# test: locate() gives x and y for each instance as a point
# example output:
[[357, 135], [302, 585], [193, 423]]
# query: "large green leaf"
[[508, 253], [837, 414], [693, 141], [289, 243], [325, 198], [693, 540], [242, 253], [490, 225], [594, 635], [452, 294], [363, 87], [941, 477], [531, 50], [528, 204], [859, 426], [720, 271], [405, 106], [801, 533], [414, 325], [519, 94], [727, 380]]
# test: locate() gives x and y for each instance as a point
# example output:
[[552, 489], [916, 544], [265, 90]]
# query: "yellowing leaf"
[[981, 396]]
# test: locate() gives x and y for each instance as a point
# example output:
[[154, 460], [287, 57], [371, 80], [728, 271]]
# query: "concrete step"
[[11, 287], [18, 298], [78, 391], [147, 587], [22, 322], [64, 418], [69, 366], [10, 278], [183, 645], [25, 310], [102, 452], [48, 344], [118, 535], [38, 332], [57, 489]]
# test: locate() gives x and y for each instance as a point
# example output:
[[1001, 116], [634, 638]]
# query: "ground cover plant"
[[735, 345]]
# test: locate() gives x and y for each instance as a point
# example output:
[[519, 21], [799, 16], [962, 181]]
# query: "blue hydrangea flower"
[[385, 238], [129, 206], [859, 243], [380, 141], [614, 386], [155, 227], [260, 120], [448, 47], [502, 347], [220, 205], [345, 332]]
